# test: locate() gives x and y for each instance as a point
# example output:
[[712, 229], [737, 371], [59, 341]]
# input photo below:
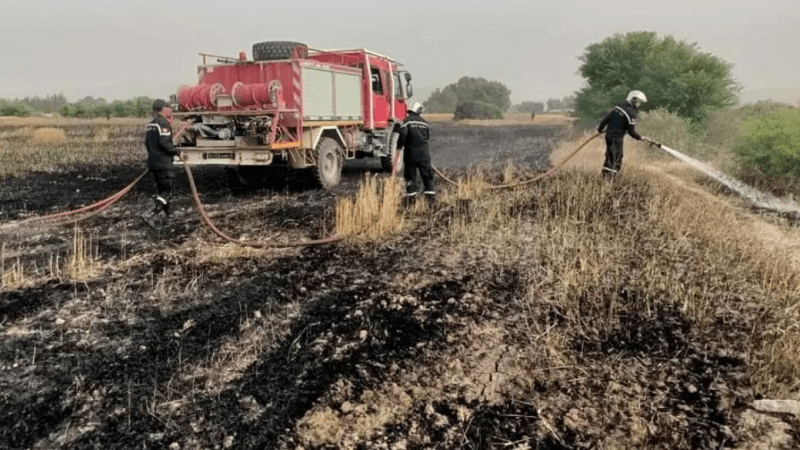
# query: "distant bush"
[[672, 130], [771, 143], [724, 125], [477, 110], [14, 108], [528, 107], [469, 89]]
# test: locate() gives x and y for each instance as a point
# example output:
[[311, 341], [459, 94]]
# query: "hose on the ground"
[[251, 244], [80, 214], [534, 179], [77, 215]]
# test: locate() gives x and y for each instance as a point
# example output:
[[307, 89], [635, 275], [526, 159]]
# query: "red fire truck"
[[295, 106]]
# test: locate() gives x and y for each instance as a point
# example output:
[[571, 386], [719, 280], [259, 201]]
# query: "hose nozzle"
[[652, 142]]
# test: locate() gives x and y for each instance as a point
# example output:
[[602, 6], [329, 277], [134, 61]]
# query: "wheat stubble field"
[[569, 313]]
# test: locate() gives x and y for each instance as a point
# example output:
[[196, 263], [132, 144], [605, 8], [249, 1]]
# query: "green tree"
[[47, 104], [442, 100], [470, 109], [14, 108], [469, 89], [675, 75]]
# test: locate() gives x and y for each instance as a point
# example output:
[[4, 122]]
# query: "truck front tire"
[[328, 170], [387, 162]]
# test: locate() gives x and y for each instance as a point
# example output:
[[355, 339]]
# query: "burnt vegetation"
[[566, 314]]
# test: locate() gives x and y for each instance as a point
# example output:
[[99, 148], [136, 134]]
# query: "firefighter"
[[414, 136], [620, 120], [160, 156]]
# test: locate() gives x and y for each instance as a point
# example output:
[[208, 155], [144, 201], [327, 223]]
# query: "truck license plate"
[[225, 155]]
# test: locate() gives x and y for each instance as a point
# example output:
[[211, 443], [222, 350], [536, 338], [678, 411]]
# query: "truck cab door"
[[400, 98], [380, 97]]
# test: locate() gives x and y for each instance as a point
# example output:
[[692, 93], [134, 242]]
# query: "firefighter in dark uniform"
[[619, 121], [160, 155], [414, 136]]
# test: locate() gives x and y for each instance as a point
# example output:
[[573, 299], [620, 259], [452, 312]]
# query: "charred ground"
[[485, 324]]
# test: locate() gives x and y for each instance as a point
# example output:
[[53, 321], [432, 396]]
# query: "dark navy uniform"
[[415, 133], [619, 121], [160, 156]]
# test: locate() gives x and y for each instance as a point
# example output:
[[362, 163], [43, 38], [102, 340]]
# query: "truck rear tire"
[[274, 50], [387, 162], [328, 170]]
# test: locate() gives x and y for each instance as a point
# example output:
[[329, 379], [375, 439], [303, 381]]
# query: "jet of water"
[[758, 198]]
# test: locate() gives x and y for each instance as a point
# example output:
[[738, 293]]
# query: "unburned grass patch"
[[12, 275], [48, 136], [374, 211]]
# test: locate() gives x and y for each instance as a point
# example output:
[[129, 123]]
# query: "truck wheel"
[[273, 50], [328, 170], [394, 154]]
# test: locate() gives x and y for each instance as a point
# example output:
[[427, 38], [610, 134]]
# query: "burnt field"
[[566, 314]]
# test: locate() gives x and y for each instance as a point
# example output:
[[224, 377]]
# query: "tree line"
[[87, 107], [479, 98], [552, 104], [90, 107]]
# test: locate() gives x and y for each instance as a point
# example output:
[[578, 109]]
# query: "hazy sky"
[[122, 48]]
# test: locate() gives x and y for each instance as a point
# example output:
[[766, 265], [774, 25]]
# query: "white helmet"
[[639, 95], [417, 108]]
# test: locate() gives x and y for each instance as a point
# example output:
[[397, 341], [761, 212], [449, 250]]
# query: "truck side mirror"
[[409, 91], [408, 77]]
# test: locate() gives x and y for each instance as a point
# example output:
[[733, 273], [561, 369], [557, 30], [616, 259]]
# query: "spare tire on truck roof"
[[272, 50]]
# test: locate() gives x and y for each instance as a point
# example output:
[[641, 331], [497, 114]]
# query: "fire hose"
[[335, 238], [532, 180], [86, 212], [251, 244]]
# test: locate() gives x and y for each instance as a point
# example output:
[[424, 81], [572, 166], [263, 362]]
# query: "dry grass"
[[53, 143], [83, 262], [48, 136], [17, 155], [374, 211], [12, 276], [653, 234]]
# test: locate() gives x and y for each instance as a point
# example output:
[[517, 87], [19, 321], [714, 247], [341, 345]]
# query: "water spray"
[[758, 198]]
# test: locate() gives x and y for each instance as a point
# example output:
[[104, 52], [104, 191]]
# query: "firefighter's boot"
[[410, 199], [430, 198], [147, 218]]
